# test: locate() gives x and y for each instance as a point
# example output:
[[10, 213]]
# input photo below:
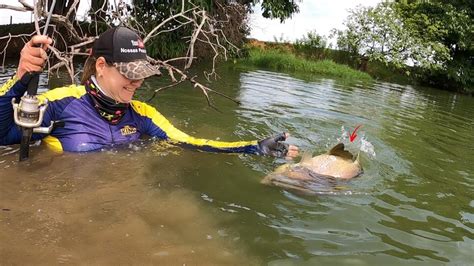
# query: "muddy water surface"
[[109, 208], [154, 204]]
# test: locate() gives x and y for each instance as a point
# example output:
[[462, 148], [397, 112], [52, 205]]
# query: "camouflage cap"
[[137, 69]]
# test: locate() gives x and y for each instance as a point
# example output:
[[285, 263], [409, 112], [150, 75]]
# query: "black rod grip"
[[33, 84], [25, 143], [34, 80]]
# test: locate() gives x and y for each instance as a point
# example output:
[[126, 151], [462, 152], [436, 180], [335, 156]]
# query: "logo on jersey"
[[128, 130]]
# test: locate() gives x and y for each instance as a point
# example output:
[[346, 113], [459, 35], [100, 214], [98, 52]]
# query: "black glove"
[[274, 146]]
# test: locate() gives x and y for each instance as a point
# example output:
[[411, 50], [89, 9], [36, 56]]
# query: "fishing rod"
[[28, 113]]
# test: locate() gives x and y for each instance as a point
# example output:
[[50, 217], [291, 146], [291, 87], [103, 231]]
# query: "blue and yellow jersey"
[[86, 130]]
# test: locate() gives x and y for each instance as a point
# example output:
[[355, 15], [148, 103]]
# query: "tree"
[[379, 34], [312, 40], [434, 37], [74, 40], [281, 9], [63, 7], [229, 21], [450, 23], [231, 15]]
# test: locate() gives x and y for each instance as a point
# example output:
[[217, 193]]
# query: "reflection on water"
[[149, 203]]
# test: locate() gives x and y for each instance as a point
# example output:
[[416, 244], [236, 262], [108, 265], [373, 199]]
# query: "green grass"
[[286, 61]]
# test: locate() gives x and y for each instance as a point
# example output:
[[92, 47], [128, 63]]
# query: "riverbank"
[[335, 63], [286, 61]]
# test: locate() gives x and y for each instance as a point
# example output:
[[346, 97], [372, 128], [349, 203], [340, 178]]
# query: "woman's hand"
[[275, 146], [33, 55]]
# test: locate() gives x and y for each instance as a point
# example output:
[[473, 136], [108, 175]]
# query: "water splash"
[[367, 147], [362, 143], [344, 135]]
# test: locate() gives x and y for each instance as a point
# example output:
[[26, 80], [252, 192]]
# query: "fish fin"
[[357, 158], [339, 150], [306, 156], [357, 161]]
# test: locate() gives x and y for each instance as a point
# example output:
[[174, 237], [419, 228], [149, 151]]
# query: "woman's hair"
[[89, 69]]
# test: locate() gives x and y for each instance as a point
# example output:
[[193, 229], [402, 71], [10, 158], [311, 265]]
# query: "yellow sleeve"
[[158, 126]]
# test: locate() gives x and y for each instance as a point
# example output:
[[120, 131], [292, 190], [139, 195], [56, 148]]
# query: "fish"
[[321, 173]]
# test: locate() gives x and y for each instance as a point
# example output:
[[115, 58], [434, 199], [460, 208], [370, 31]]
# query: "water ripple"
[[423, 140]]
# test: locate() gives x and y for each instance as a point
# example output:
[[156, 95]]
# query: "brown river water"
[[151, 203]]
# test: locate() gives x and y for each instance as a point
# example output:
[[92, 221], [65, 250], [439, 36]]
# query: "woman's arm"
[[157, 125], [32, 59]]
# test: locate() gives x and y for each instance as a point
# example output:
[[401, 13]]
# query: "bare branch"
[[204, 29], [68, 25], [16, 8], [207, 89], [35, 14], [64, 61], [73, 8], [196, 33], [9, 37], [164, 88], [26, 5], [171, 18], [176, 59], [87, 41]]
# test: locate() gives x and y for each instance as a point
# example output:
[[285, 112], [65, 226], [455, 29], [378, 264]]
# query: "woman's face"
[[114, 84]]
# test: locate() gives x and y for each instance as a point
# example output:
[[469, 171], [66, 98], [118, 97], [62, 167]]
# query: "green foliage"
[[375, 69], [434, 37], [281, 9], [378, 34], [286, 61], [312, 40], [173, 38], [450, 24], [231, 17], [275, 9], [149, 14]]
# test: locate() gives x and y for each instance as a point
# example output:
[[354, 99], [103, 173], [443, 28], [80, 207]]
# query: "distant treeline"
[[377, 70]]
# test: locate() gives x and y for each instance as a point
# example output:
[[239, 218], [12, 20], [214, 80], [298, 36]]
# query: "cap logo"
[[138, 43], [141, 44]]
